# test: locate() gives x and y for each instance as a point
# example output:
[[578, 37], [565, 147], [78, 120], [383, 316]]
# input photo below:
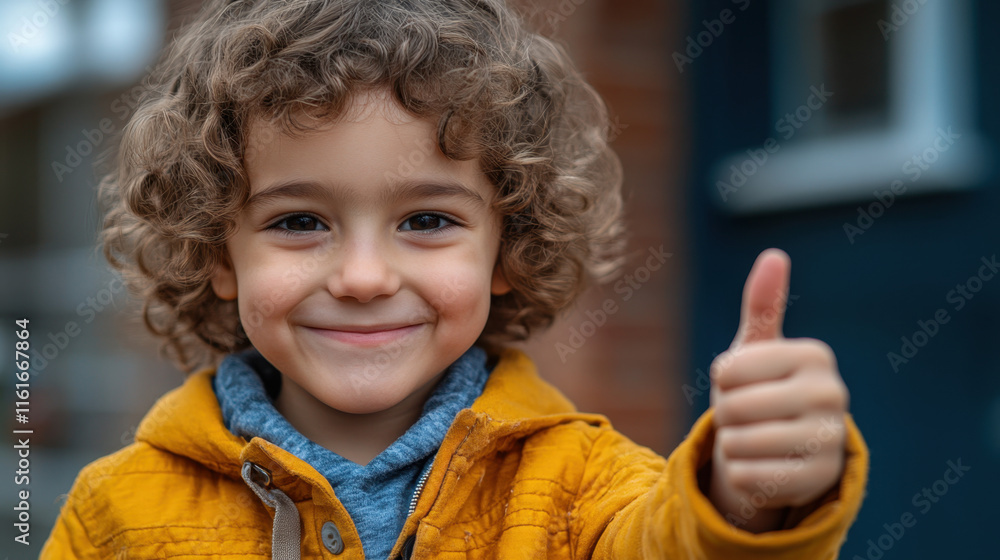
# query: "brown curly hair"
[[498, 91]]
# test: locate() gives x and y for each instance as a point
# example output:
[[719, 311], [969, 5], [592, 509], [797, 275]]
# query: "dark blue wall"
[[862, 298]]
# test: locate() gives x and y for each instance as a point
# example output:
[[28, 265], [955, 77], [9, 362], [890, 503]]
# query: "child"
[[357, 204]]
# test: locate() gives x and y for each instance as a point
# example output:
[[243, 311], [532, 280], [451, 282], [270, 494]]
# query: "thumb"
[[765, 296]]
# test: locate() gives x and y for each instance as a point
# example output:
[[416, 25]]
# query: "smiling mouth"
[[367, 336]]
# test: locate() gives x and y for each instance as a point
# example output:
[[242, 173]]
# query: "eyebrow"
[[409, 190], [292, 189], [406, 190]]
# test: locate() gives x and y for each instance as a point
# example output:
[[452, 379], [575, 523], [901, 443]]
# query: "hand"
[[779, 410]]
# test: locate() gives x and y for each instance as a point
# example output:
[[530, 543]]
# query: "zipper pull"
[[256, 473]]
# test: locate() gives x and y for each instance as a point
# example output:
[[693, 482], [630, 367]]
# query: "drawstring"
[[285, 532]]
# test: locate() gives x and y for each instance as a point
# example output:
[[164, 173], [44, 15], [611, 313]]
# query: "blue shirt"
[[376, 495]]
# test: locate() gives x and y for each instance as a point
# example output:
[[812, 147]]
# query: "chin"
[[365, 403], [366, 407]]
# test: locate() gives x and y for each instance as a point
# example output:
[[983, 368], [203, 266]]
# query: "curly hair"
[[498, 91]]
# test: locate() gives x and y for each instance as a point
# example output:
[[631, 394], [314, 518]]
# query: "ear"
[[224, 280], [499, 285]]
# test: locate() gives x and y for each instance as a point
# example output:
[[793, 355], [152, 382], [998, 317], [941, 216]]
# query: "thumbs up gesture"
[[779, 409]]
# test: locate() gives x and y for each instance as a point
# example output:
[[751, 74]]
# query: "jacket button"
[[331, 538]]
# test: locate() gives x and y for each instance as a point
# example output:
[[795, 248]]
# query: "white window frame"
[[930, 89]]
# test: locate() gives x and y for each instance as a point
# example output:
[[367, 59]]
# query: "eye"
[[299, 223], [426, 222]]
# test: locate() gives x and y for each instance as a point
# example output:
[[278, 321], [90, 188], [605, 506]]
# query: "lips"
[[369, 328], [367, 335]]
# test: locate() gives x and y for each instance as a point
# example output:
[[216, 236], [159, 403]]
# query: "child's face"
[[365, 259]]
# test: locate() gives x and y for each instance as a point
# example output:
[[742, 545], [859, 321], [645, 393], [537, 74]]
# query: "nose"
[[363, 271]]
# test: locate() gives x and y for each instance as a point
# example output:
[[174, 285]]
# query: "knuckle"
[[836, 395], [721, 368], [739, 411], [826, 470], [716, 370], [731, 410], [842, 396], [721, 415], [820, 352], [825, 398], [727, 442], [743, 477], [827, 474]]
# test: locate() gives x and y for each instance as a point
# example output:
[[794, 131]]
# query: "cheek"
[[460, 292], [264, 297]]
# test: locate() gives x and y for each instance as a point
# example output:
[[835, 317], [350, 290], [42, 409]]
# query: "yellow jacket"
[[520, 475]]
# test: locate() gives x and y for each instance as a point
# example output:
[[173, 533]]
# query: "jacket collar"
[[187, 421], [515, 402]]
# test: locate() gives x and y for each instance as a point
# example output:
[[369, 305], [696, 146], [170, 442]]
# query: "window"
[[866, 94]]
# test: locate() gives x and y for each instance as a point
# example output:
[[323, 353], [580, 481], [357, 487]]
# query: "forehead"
[[373, 143]]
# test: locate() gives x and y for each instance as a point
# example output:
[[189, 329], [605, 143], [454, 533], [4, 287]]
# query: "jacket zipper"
[[416, 493], [408, 545]]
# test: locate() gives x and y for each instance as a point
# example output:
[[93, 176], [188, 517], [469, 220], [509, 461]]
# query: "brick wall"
[[631, 368]]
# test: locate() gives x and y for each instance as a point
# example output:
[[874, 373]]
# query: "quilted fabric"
[[520, 475]]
